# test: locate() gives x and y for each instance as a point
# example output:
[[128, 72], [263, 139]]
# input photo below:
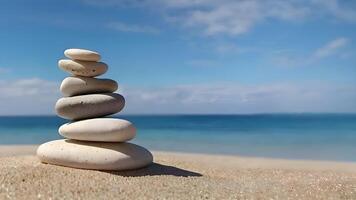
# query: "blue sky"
[[186, 56]]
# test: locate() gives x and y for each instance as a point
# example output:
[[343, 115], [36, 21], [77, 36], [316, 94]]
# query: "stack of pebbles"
[[93, 142]]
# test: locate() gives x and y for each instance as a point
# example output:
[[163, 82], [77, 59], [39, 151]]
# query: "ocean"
[[293, 136]]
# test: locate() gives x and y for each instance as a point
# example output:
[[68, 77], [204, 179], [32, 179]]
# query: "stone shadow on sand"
[[155, 169]]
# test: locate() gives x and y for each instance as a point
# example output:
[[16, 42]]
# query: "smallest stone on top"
[[83, 63], [82, 54]]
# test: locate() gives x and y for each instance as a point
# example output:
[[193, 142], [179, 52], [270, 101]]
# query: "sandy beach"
[[177, 176]]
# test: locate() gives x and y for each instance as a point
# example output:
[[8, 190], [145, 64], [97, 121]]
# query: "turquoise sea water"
[[297, 136]]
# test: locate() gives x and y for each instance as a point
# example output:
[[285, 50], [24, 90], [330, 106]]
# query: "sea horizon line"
[[199, 114]]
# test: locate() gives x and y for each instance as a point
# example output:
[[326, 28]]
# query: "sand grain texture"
[[181, 176]]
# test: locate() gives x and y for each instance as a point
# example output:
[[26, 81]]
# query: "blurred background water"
[[296, 136]]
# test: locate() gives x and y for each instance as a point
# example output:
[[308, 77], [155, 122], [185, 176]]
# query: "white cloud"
[[235, 17], [28, 96], [292, 59], [334, 8], [37, 96], [122, 27], [232, 19], [239, 98], [238, 17], [331, 48]]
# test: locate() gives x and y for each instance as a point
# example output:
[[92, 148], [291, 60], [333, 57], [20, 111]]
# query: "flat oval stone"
[[89, 106], [82, 54], [99, 129], [94, 155], [79, 85], [83, 68]]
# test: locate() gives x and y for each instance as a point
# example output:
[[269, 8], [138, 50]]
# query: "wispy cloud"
[[38, 96], [28, 96], [122, 27], [236, 17], [334, 8], [27, 88], [240, 98], [330, 48]]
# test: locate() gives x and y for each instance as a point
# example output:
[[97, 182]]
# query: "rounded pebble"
[[83, 68], [79, 85], [89, 106], [94, 155], [82, 54], [99, 129]]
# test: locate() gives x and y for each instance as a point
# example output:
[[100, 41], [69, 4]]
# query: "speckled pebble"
[[83, 68], [89, 106]]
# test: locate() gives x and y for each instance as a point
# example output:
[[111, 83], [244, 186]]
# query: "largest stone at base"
[[94, 155]]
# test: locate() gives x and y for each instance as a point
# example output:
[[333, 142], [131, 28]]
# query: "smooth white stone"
[[89, 106], [82, 54], [79, 85], [83, 68], [99, 129], [94, 155]]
